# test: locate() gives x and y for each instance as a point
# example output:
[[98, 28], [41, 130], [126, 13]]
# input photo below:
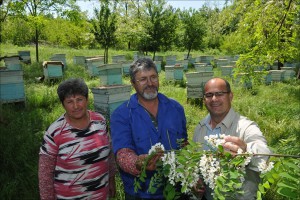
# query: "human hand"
[[151, 163], [232, 144], [198, 189]]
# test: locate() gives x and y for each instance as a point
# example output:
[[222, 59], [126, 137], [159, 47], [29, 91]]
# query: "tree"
[[194, 30], [159, 25], [33, 11], [105, 25]]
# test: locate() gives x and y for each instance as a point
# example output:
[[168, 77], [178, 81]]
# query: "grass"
[[274, 107]]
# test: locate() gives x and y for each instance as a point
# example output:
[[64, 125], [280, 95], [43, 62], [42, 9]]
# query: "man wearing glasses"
[[241, 133], [146, 119]]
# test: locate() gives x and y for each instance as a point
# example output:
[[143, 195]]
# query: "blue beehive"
[[158, 66], [169, 72], [92, 65], [108, 98], [11, 86], [25, 56], [110, 74], [53, 69], [171, 60], [227, 70], [126, 66], [118, 59], [178, 72], [79, 60], [61, 58], [13, 63]]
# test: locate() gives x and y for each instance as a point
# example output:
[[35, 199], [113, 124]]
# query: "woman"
[[75, 159]]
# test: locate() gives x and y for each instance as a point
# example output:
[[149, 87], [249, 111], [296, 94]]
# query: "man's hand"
[[151, 164], [232, 144], [199, 189]]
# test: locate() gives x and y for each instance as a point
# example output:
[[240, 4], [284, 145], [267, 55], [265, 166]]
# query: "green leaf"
[[287, 193], [288, 176], [266, 185], [283, 185]]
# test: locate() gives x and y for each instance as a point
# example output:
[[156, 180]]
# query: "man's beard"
[[150, 95]]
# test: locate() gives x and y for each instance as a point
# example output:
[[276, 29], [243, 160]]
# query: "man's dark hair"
[[71, 87], [142, 64]]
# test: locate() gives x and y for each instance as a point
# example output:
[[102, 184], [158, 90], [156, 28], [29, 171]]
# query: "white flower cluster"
[[210, 169], [264, 167], [156, 147], [179, 173], [214, 140]]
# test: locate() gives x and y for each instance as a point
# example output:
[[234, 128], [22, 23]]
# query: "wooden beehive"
[[92, 65], [158, 66], [79, 60], [53, 69], [203, 67], [195, 83], [60, 57], [178, 72], [25, 56], [125, 67], [171, 60], [158, 58], [108, 98], [206, 59], [277, 75], [243, 79], [13, 63], [183, 63], [169, 72], [118, 59], [11, 86], [110, 74], [227, 70], [222, 62], [289, 72]]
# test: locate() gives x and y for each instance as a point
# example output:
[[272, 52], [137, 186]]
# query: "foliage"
[[194, 30], [105, 26]]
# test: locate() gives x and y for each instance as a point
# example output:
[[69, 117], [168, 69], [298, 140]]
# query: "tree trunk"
[[36, 45]]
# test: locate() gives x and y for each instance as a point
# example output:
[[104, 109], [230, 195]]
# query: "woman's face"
[[76, 106]]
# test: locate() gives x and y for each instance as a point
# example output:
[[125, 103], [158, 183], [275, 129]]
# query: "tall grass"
[[274, 107]]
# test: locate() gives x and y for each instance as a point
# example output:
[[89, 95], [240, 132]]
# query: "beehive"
[[227, 70], [110, 74], [92, 65], [13, 63], [60, 57], [108, 98], [222, 62], [79, 60], [183, 63], [25, 56], [289, 72], [118, 59], [169, 72], [242, 79], [158, 66], [203, 67], [178, 72], [53, 69], [195, 83], [277, 75], [11, 86], [171, 60], [206, 59], [158, 58], [125, 67]]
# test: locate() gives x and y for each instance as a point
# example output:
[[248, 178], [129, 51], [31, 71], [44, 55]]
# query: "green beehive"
[[227, 70], [25, 56], [125, 67], [195, 83], [158, 66], [118, 59], [53, 69], [92, 65], [108, 98], [203, 67], [178, 72], [277, 75], [13, 63], [110, 74], [169, 72], [79, 60], [60, 57], [11, 86]]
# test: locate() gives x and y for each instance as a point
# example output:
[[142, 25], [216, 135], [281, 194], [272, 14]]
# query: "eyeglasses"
[[217, 94], [144, 80]]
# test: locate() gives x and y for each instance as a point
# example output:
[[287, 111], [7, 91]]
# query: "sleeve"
[[121, 132], [256, 143], [46, 177], [126, 159]]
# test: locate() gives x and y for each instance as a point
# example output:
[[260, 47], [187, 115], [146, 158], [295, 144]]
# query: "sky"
[[86, 5]]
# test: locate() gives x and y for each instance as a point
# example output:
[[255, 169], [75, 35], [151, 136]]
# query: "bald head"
[[217, 81]]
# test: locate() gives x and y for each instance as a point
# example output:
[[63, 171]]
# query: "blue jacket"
[[131, 127]]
